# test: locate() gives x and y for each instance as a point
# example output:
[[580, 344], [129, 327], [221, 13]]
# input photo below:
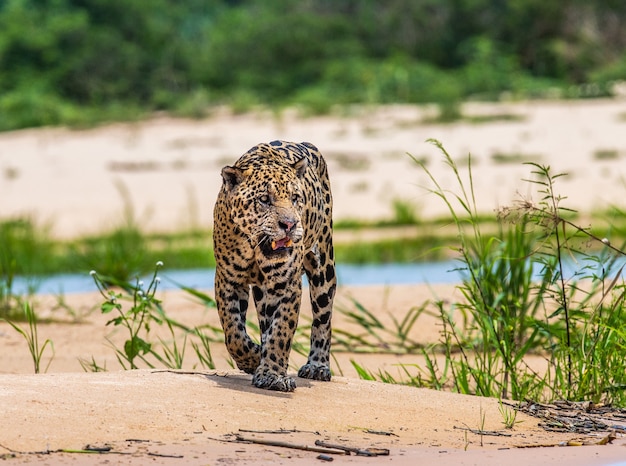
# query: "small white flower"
[[92, 273], [157, 280], [159, 264], [140, 283], [606, 241], [113, 299]]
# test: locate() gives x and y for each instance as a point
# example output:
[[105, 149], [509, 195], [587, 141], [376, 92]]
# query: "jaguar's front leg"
[[232, 305], [278, 318]]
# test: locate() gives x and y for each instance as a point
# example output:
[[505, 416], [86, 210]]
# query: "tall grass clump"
[[588, 345], [500, 306], [31, 336], [543, 287]]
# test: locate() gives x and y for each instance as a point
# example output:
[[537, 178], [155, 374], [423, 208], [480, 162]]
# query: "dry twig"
[[283, 444], [356, 451]]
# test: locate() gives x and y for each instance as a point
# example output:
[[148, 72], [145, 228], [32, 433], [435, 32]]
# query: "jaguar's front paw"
[[264, 378], [315, 372]]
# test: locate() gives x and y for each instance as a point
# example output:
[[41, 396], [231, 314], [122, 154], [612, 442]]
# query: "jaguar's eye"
[[295, 198], [265, 199]]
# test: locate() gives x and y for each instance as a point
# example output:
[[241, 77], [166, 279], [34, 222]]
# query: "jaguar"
[[272, 224]]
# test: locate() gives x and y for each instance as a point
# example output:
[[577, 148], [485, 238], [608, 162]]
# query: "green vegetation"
[[509, 416], [421, 248], [518, 304], [145, 312], [122, 253], [31, 337], [80, 62], [376, 337]]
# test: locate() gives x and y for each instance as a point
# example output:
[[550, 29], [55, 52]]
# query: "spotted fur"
[[272, 223]]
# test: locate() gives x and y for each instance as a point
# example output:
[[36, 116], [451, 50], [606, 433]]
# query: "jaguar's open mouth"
[[277, 246], [282, 243]]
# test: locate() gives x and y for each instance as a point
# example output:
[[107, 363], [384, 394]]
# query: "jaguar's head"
[[266, 203]]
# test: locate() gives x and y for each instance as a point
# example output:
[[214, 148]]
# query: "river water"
[[347, 274], [446, 272]]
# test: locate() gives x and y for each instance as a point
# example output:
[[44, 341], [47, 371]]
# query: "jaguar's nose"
[[286, 225]]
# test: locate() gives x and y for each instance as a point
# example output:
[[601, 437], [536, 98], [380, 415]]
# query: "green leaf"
[[205, 298], [116, 321], [136, 346], [364, 374], [108, 306]]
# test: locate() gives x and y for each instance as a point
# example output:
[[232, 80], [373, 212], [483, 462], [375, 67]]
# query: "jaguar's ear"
[[232, 176], [300, 166]]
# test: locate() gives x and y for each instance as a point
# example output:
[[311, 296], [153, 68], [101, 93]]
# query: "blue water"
[[372, 274], [379, 274]]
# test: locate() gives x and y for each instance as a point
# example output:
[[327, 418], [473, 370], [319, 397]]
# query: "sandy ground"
[[170, 169], [71, 181]]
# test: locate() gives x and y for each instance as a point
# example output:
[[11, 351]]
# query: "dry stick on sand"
[[357, 451], [279, 443], [279, 431], [380, 432], [320, 446]]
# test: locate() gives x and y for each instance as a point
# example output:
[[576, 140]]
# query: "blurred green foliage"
[[78, 62]]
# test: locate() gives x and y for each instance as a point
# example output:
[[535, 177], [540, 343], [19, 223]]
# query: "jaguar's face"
[[267, 206]]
